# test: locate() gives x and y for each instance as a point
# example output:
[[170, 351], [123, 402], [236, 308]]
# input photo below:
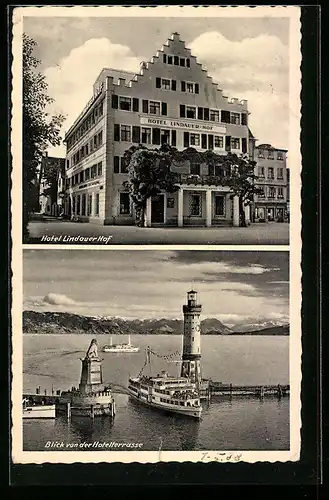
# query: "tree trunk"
[[242, 213]]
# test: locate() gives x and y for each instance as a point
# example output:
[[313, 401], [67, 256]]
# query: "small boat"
[[39, 411], [167, 393], [127, 347]]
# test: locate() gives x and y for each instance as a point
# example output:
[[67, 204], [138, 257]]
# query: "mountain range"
[[64, 322]]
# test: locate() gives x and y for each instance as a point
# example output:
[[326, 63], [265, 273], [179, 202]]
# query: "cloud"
[[58, 299], [255, 69], [71, 81], [215, 268]]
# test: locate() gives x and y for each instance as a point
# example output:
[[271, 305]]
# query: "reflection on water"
[[236, 424]]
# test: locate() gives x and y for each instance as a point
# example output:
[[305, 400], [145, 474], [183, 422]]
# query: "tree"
[[242, 181], [149, 174], [40, 130]]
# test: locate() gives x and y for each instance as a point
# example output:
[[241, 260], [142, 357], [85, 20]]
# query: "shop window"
[[219, 206], [195, 205]]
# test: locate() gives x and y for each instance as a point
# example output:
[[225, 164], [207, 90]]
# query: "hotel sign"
[[183, 124]]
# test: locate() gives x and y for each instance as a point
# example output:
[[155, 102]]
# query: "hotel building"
[[171, 100], [272, 178]]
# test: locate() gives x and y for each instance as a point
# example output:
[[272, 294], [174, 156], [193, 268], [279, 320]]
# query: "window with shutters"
[[195, 168], [97, 204], [270, 173], [214, 115], [165, 84], [261, 193], [219, 206], [195, 205], [194, 139], [261, 172], [271, 192], [125, 103], [235, 118], [190, 112], [146, 135], [165, 136], [154, 107], [124, 204], [125, 133], [123, 165], [218, 141], [235, 143]]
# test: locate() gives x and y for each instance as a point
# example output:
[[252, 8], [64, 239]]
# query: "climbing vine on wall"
[[150, 172]]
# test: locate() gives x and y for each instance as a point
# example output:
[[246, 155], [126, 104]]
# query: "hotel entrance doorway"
[[157, 210]]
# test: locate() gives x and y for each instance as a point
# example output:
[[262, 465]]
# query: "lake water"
[[52, 362]]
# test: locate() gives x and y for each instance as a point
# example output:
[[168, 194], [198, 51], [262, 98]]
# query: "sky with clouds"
[[248, 57], [234, 287]]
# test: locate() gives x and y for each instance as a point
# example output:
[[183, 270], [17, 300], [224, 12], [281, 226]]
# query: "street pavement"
[[56, 231]]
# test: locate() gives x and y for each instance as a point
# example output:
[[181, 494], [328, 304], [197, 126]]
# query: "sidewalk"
[[257, 234]]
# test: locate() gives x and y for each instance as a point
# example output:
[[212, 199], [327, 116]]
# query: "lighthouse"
[[191, 358]]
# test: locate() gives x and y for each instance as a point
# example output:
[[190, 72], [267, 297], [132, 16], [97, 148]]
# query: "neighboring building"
[[271, 171], [52, 185], [171, 100], [288, 194]]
